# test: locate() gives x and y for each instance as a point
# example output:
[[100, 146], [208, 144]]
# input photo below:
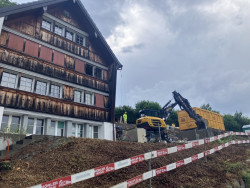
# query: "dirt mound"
[[49, 159]]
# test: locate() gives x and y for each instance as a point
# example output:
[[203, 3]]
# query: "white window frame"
[[91, 98], [46, 86], [25, 77], [8, 123], [60, 27], [55, 127], [69, 31], [47, 22], [83, 41], [98, 130], [50, 90], [8, 77], [81, 97], [35, 125]]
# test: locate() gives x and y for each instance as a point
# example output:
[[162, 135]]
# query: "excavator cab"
[[154, 125]]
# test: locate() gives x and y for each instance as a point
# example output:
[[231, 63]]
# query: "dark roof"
[[6, 11]]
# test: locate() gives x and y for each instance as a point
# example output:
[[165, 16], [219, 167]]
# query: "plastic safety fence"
[[172, 166], [71, 179]]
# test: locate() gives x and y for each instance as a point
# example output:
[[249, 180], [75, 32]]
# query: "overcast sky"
[[198, 48]]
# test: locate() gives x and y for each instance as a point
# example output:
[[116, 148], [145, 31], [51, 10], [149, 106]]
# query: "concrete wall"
[[11, 137]]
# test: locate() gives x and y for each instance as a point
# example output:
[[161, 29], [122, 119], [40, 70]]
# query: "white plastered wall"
[[106, 131]]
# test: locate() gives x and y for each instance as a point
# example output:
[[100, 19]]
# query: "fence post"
[[149, 168]]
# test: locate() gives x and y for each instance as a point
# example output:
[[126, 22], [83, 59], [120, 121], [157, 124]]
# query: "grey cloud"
[[130, 49]]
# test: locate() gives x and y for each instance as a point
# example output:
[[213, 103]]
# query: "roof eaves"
[[99, 34]]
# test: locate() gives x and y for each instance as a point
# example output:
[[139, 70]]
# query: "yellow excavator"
[[154, 122]]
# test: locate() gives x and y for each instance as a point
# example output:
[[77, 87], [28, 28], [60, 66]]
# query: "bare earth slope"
[[49, 159]]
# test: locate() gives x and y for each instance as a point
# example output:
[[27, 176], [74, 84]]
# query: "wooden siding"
[[29, 101], [41, 67]]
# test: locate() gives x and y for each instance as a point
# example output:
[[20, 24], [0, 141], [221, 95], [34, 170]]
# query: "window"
[[4, 124], [52, 129], [9, 80], [88, 98], [30, 126], [58, 30], [55, 91], [39, 127], [46, 25], [80, 40], [80, 131], [41, 87], [60, 128], [15, 124], [78, 96], [73, 129], [95, 133], [89, 69], [98, 73], [69, 35], [25, 84]]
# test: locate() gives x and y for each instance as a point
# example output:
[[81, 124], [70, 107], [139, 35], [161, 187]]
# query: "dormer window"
[[58, 30], [46, 25], [69, 35]]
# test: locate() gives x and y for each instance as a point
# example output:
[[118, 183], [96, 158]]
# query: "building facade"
[[57, 73]]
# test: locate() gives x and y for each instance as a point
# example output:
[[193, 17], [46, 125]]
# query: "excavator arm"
[[185, 105]]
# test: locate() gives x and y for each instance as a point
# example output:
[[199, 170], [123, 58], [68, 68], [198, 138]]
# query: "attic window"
[[58, 30], [80, 40], [69, 35], [46, 25]]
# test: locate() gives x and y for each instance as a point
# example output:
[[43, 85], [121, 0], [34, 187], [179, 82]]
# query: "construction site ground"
[[48, 159]]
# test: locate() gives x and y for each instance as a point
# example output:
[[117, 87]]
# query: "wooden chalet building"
[[57, 73]]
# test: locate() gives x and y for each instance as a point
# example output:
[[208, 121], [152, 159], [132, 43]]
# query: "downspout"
[[112, 115]]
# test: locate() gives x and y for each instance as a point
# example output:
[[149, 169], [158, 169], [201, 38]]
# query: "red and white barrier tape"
[[167, 168], [71, 179]]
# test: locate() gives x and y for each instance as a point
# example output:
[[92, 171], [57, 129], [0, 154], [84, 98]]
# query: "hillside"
[[49, 159]]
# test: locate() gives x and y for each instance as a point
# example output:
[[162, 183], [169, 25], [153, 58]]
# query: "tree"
[[208, 107], [230, 123], [119, 111], [173, 118], [147, 105], [4, 3], [235, 122]]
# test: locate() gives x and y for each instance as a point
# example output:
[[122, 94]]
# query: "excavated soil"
[[49, 159]]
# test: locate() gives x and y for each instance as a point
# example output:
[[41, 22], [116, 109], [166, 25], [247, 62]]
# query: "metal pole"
[[205, 143], [149, 168], [159, 132]]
